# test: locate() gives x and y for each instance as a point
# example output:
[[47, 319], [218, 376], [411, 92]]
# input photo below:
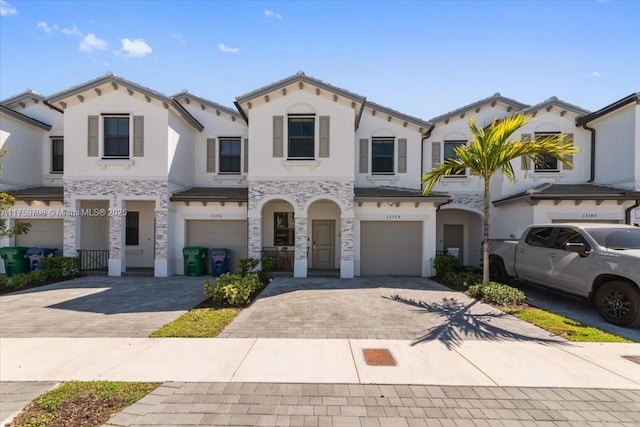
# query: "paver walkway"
[[400, 308], [14, 395], [267, 404]]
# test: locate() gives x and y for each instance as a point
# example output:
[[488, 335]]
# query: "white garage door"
[[44, 233], [219, 234], [390, 248]]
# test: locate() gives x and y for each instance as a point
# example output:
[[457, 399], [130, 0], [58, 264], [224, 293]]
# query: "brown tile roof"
[[570, 192], [44, 193], [212, 194]]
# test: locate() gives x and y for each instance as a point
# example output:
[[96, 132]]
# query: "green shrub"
[[37, 277], [234, 289], [462, 280], [68, 266], [497, 293], [19, 281], [248, 265], [446, 264], [4, 282]]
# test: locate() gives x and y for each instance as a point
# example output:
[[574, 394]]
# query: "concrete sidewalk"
[[483, 363]]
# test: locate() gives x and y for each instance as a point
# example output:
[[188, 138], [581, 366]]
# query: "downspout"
[[426, 136], [592, 175], [627, 212]]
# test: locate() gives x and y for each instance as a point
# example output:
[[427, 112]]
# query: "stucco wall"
[[22, 167]]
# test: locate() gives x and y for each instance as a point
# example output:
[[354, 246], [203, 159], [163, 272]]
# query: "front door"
[[324, 238], [453, 239]]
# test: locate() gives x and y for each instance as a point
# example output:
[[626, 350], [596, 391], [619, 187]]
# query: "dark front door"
[[324, 246], [453, 238]]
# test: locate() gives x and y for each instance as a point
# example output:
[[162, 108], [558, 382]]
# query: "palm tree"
[[490, 151]]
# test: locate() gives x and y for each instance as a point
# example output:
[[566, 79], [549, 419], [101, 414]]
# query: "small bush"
[[497, 293], [461, 281], [68, 266], [250, 265], [234, 289], [19, 281], [446, 264], [4, 282]]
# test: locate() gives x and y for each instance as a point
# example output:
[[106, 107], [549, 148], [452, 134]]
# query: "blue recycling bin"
[[219, 261], [35, 255]]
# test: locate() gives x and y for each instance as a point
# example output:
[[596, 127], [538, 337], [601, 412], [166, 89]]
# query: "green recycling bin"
[[195, 258], [15, 260]]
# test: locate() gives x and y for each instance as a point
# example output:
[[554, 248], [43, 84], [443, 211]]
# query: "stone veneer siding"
[[115, 191], [299, 192]]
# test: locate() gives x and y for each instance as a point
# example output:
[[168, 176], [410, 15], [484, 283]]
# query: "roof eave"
[[539, 197], [400, 199], [25, 119], [186, 95], [634, 97]]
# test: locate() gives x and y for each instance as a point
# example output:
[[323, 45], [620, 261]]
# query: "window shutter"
[[211, 154], [435, 154], [278, 136], [246, 155], [138, 136], [526, 163], [92, 137], [364, 156], [569, 138], [324, 136], [402, 155]]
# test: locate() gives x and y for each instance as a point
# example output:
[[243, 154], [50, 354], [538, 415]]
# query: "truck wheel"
[[497, 272], [618, 303]]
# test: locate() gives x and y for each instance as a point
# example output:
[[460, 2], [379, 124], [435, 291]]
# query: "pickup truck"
[[600, 262]]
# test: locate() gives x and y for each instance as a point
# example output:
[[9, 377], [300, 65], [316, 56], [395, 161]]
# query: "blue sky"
[[421, 58]]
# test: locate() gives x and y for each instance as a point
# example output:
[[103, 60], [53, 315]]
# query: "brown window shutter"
[[211, 154], [92, 136], [324, 136], [138, 136], [526, 163], [246, 155], [278, 136], [435, 154], [364, 156], [569, 138], [402, 155]]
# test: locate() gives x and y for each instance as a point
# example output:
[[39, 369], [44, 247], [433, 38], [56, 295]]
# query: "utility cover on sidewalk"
[[378, 357]]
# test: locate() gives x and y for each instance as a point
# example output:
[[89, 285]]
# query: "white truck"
[[600, 262]]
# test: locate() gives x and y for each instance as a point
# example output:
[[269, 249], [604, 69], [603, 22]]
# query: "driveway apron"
[[98, 306], [401, 308]]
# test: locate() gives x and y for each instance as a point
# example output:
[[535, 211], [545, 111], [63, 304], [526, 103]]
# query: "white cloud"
[[73, 31], [46, 27], [90, 43], [597, 74], [136, 48], [271, 14], [226, 49], [6, 9]]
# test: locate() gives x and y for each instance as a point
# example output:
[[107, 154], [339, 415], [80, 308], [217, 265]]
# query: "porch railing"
[[94, 259], [282, 258]]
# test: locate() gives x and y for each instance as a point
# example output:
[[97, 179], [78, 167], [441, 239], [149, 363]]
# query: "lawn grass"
[[198, 323], [78, 403], [562, 325]]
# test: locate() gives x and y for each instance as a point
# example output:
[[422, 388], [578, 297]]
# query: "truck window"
[[568, 235], [539, 236]]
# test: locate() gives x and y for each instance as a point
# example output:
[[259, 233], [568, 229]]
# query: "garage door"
[[219, 234], [44, 233], [390, 248]]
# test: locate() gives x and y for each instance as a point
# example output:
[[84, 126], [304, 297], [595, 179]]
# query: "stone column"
[[300, 259], [254, 245], [161, 258], [70, 227], [116, 240], [346, 248]]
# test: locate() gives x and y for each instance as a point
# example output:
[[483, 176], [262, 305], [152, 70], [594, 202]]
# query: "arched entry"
[[278, 234], [459, 232]]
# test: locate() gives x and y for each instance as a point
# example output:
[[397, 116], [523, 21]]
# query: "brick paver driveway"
[[373, 308], [98, 306]]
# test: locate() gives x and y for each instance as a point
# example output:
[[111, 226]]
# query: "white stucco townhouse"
[[311, 174]]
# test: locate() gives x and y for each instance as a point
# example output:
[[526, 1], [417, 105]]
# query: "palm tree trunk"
[[485, 233]]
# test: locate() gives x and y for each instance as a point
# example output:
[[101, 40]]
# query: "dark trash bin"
[[15, 260], [35, 254], [194, 260], [219, 261]]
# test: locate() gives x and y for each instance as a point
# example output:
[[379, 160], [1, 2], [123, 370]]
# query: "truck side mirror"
[[578, 247]]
